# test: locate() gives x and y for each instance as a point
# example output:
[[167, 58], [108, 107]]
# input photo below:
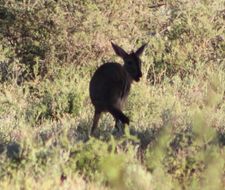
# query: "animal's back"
[[108, 85]]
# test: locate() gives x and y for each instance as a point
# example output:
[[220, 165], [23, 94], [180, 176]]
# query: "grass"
[[176, 136]]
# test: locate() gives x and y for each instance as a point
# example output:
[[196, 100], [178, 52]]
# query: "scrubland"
[[48, 53]]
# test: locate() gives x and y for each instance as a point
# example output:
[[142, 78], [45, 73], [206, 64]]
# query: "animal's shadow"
[[143, 136]]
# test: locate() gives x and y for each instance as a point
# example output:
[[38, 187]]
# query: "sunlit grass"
[[176, 136]]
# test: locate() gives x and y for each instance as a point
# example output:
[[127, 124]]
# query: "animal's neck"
[[129, 77]]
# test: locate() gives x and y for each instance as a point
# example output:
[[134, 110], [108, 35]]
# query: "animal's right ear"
[[140, 50], [119, 51]]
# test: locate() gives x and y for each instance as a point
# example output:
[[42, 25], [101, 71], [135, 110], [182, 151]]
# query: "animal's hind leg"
[[95, 121], [118, 115], [119, 126]]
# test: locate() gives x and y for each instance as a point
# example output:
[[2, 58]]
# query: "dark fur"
[[110, 85]]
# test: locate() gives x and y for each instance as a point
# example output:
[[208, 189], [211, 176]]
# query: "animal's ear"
[[140, 50], [119, 51]]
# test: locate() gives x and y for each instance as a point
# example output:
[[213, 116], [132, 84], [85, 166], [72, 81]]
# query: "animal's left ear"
[[140, 50]]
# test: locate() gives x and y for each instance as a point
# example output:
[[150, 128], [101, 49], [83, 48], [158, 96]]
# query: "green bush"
[[48, 53]]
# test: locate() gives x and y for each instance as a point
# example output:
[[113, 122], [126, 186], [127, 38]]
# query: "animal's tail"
[[119, 115]]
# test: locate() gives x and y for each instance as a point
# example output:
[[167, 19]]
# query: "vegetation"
[[48, 53]]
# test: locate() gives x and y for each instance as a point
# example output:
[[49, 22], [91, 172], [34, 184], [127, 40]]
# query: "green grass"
[[48, 53]]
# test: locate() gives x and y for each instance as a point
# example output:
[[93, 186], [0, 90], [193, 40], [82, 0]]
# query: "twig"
[[157, 5]]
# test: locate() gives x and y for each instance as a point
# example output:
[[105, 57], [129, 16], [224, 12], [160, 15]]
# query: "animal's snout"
[[139, 75]]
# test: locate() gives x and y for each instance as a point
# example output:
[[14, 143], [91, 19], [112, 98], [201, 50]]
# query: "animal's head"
[[132, 61]]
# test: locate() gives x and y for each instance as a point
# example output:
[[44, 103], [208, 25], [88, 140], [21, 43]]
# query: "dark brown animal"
[[110, 85]]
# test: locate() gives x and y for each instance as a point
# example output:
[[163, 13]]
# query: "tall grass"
[[48, 53]]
